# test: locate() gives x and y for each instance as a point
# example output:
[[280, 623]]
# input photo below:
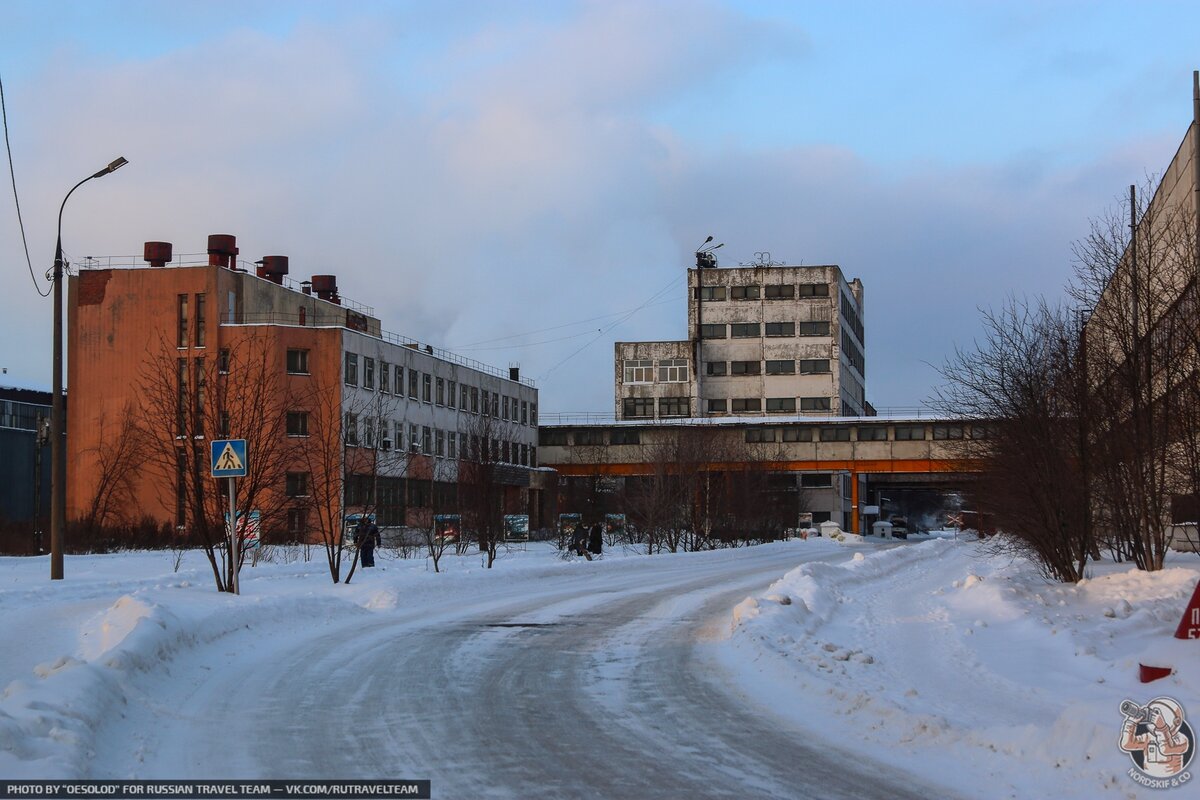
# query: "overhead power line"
[[16, 199]]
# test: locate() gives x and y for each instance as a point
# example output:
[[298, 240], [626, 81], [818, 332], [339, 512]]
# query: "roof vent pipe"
[[273, 268], [157, 254], [222, 250]]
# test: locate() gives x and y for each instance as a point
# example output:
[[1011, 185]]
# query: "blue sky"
[[476, 171]]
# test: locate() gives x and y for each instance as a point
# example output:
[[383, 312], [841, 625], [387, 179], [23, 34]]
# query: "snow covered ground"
[[925, 669], [966, 666]]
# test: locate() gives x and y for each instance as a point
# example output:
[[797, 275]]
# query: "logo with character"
[[1159, 741]]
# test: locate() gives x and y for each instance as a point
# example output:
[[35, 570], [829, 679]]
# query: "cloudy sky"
[[524, 182]]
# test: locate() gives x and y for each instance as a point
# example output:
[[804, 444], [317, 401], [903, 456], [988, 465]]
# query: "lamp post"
[[58, 482]]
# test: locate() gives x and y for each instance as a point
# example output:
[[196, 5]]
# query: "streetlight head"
[[112, 167]]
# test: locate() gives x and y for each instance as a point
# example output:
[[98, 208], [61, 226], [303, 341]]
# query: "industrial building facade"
[[769, 339], [351, 419]]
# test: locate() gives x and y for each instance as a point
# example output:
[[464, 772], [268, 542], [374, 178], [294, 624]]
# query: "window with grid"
[[352, 369], [440, 397], [589, 437], [710, 292], [813, 366], [451, 393], [741, 405], [797, 434], [943, 432], [504, 407], [451, 445], [781, 367], [296, 484], [426, 387], [744, 330], [399, 384], [673, 406], [814, 290], [426, 440], [368, 372], [200, 320], [780, 405], [779, 292], [414, 383], [814, 328], [755, 435], [910, 433], [351, 429], [673, 370], [297, 423], [297, 521], [745, 367], [439, 443], [715, 368], [625, 436], [815, 404], [743, 293], [838, 434], [874, 433], [638, 407], [368, 431], [385, 377], [712, 332], [639, 370], [778, 329], [718, 406]]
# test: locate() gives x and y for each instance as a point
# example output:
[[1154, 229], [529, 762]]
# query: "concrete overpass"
[[931, 452]]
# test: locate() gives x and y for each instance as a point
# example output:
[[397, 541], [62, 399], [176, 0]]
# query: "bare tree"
[[186, 402], [119, 453], [486, 476]]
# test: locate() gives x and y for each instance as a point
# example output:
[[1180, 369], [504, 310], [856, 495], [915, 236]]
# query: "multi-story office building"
[[218, 338], [763, 340]]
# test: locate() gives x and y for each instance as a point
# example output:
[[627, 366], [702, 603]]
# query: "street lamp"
[[58, 482]]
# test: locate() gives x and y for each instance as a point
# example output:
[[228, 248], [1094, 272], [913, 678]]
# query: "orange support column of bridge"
[[854, 524]]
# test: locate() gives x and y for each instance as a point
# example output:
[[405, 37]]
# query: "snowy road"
[[594, 682]]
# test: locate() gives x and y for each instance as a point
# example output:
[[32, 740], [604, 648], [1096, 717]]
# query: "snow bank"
[[966, 666]]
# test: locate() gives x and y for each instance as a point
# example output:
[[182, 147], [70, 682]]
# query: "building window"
[[815, 404], [426, 387], [414, 383], [554, 438], [399, 384], [741, 405], [504, 408], [439, 443], [743, 293], [200, 320], [710, 292], [875, 433], [463, 396], [780, 329], [440, 396], [297, 521], [296, 484], [783, 292], [943, 432], [782, 367], [533, 414], [838, 434], [640, 370], [368, 373], [673, 370], [524, 412], [781, 405], [797, 434], [223, 360], [475, 399], [369, 432], [589, 437], [181, 397], [426, 440], [814, 328], [638, 407], [451, 393], [745, 367], [715, 368], [297, 362], [673, 406], [812, 366], [718, 406], [351, 427], [756, 435], [625, 436], [910, 433], [385, 377], [532, 456], [744, 330], [183, 320], [452, 445], [297, 423], [351, 369], [712, 332], [495, 404], [487, 401], [816, 480], [814, 290], [414, 438]]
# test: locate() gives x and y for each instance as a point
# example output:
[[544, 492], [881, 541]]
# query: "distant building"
[[402, 416], [763, 340], [25, 466]]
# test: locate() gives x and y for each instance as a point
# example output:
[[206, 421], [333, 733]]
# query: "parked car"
[[899, 527]]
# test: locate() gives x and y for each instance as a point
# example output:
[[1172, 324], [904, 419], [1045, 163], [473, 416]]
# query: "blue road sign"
[[229, 458]]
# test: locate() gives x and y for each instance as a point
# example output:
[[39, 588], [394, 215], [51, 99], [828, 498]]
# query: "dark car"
[[899, 527]]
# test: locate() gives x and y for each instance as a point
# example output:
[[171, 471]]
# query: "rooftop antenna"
[[704, 254]]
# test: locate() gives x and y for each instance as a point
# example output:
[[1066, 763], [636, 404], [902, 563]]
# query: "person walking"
[[367, 535], [596, 539], [579, 540]]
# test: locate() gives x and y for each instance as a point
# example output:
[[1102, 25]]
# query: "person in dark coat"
[[596, 539], [579, 539], [367, 535]]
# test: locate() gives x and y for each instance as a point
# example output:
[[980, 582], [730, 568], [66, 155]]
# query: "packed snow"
[[965, 665], [939, 659]]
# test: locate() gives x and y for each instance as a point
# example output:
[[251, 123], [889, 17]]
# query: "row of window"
[[807, 366], [642, 370], [361, 431], [190, 335], [427, 388], [634, 407], [784, 291], [774, 405], [839, 433], [754, 330]]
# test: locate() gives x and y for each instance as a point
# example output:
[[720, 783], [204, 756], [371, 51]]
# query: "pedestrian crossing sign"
[[229, 458]]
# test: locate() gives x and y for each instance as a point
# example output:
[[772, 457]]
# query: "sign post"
[[229, 461]]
